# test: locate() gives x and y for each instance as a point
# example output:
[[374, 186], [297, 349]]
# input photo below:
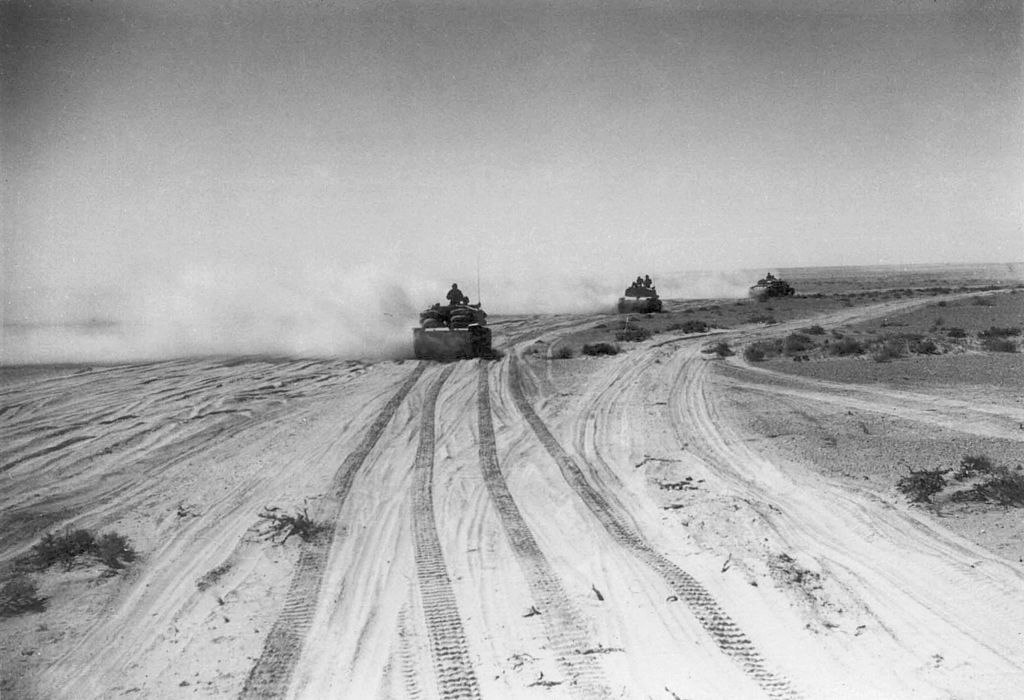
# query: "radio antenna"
[[478, 299]]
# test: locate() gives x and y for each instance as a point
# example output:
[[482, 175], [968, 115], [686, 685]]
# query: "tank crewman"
[[639, 281], [647, 281], [455, 295]]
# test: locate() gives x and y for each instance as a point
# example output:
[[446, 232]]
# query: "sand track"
[[520, 528]]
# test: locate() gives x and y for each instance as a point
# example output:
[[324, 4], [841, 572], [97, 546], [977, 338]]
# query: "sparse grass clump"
[[796, 343], [720, 349], [70, 546], [632, 335], [691, 326], [888, 349], [846, 346], [20, 595], [997, 332], [813, 330], [600, 349], [283, 525], [956, 332], [920, 486], [762, 349], [562, 353], [973, 465]]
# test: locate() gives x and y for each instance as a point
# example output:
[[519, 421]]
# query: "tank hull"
[[643, 305], [446, 344]]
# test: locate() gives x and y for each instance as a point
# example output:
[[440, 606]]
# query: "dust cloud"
[[309, 311]]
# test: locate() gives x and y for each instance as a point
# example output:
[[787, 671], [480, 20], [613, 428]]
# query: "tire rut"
[[726, 634], [452, 665], [563, 626], [272, 672]]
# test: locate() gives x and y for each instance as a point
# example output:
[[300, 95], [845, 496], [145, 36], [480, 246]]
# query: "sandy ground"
[[656, 524]]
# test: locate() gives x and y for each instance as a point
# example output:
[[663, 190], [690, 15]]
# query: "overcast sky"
[[146, 139]]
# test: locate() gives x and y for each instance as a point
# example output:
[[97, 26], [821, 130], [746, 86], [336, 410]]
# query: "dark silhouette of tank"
[[453, 332], [771, 286], [639, 299]]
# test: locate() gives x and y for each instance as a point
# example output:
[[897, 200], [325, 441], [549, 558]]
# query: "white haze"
[[312, 311]]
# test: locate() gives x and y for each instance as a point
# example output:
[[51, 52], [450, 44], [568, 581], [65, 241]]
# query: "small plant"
[[973, 465], [814, 330], [600, 349], [68, 547], [113, 550], [692, 326], [920, 486], [796, 343], [284, 525], [889, 349], [999, 345], [923, 346], [562, 353], [982, 301], [846, 346], [720, 349], [20, 595], [632, 335]]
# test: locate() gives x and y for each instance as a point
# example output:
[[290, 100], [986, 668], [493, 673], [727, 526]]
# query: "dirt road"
[[597, 527]]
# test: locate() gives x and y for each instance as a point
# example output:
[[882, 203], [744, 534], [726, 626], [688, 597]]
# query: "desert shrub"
[[212, 576], [814, 330], [956, 332], [997, 332], [562, 353], [632, 335], [114, 550], [721, 349], [762, 349], [846, 346], [284, 525], [973, 465], [691, 326], [922, 485], [836, 333], [1004, 487], [999, 345], [600, 349], [943, 303], [68, 547], [62, 548], [753, 353], [797, 343], [762, 318], [923, 346], [20, 595], [982, 301], [888, 349], [1000, 486]]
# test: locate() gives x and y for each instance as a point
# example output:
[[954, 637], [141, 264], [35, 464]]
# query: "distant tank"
[[639, 299], [454, 332], [771, 286]]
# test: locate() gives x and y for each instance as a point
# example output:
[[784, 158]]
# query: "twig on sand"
[[543, 683], [596, 592]]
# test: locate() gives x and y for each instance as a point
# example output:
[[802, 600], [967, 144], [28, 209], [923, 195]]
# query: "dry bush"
[[632, 335], [888, 349], [920, 486], [20, 595], [973, 465], [813, 330], [721, 349], [562, 353], [691, 326], [600, 349], [956, 332], [796, 343], [997, 332], [68, 547], [284, 525], [846, 346]]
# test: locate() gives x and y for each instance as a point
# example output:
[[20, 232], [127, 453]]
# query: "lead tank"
[[453, 332], [639, 299]]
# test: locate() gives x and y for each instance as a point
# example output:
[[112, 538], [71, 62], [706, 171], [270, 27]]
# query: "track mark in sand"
[[726, 633], [272, 672], [562, 624], [452, 665]]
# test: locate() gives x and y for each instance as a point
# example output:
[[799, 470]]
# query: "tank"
[[771, 286], [640, 300], [454, 332]]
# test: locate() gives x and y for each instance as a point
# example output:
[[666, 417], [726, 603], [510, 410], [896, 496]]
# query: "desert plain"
[[812, 496]]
